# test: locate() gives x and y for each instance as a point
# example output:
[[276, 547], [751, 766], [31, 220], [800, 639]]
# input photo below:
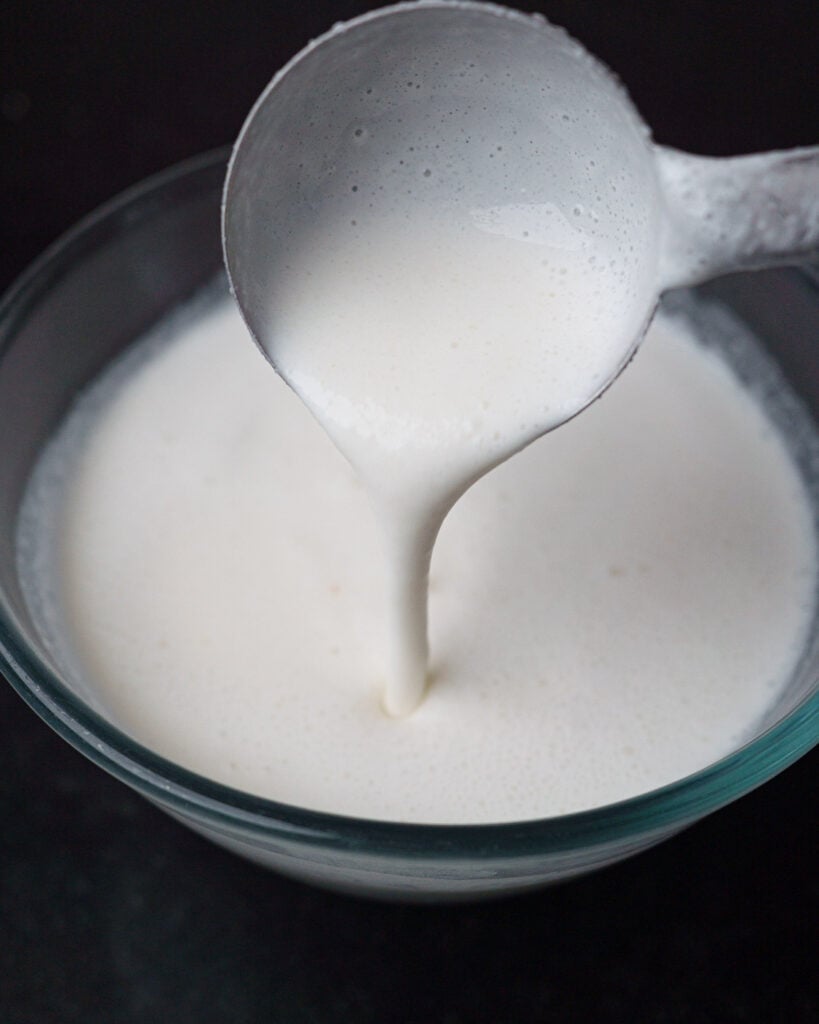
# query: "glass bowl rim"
[[234, 812]]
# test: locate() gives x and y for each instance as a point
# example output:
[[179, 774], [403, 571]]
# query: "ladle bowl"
[[478, 112]]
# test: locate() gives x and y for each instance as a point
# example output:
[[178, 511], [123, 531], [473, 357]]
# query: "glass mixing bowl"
[[102, 286]]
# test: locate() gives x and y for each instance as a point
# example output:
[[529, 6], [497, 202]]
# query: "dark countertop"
[[109, 911]]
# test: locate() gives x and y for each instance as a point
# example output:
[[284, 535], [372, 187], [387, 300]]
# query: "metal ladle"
[[493, 123]]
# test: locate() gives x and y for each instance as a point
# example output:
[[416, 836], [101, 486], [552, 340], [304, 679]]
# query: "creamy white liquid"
[[610, 610], [431, 348]]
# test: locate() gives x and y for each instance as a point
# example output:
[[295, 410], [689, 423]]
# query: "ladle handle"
[[736, 213]]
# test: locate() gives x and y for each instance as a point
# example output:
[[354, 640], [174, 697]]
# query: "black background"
[[110, 912]]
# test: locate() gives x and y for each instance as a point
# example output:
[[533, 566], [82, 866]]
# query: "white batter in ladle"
[[447, 227]]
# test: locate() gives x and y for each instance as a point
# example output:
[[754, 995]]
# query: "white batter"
[[431, 346], [610, 610]]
